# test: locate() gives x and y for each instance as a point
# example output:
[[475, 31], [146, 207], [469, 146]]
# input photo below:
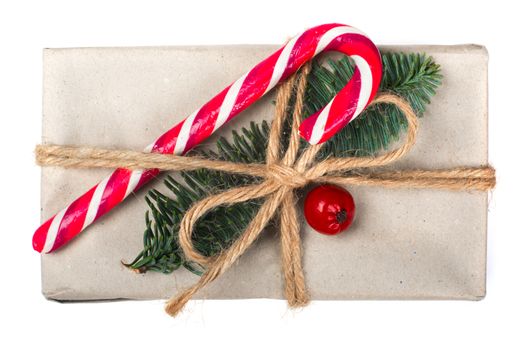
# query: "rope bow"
[[283, 172]]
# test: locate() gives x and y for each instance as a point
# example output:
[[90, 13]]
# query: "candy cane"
[[317, 128]]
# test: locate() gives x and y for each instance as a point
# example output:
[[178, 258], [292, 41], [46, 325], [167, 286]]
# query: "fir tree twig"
[[412, 76]]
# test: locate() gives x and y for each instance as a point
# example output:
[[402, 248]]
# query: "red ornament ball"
[[329, 209]]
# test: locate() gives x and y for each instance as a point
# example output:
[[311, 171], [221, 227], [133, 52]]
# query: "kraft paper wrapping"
[[404, 244]]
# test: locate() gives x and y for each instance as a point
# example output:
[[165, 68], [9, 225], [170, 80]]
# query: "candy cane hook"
[[317, 128]]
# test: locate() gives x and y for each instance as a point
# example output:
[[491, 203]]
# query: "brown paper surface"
[[404, 244]]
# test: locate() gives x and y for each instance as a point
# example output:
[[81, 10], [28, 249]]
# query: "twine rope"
[[281, 175]]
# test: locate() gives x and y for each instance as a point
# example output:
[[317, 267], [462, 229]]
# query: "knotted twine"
[[284, 172]]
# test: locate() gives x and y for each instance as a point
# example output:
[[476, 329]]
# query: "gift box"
[[403, 244]]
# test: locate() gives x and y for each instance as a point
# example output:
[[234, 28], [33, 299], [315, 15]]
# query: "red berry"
[[329, 209]]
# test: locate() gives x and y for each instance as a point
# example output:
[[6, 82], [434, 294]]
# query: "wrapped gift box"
[[404, 243]]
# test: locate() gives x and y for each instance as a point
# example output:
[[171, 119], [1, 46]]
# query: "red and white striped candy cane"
[[319, 127]]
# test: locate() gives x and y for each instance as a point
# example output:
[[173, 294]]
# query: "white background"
[[29, 320]]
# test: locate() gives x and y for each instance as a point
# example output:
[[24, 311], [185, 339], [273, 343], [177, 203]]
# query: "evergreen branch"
[[412, 76]]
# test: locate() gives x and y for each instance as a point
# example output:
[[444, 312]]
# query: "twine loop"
[[284, 171]]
